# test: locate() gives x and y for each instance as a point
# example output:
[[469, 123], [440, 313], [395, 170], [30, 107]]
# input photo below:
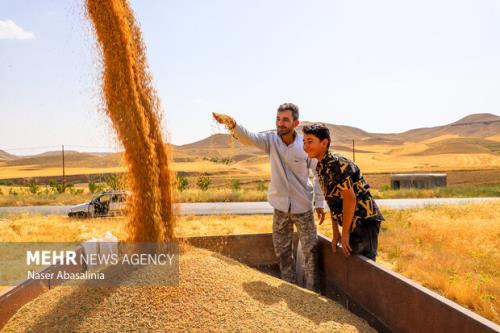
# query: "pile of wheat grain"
[[134, 109], [215, 293]]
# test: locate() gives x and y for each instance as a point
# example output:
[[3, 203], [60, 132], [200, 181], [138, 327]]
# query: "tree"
[[182, 183], [203, 182]]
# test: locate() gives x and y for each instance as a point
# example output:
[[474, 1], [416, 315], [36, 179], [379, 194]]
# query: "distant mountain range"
[[476, 133], [481, 125]]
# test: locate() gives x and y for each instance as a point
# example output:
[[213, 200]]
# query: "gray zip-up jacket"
[[291, 188]]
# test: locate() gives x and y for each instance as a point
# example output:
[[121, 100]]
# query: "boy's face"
[[314, 147]]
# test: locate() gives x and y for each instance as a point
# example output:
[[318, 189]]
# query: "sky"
[[382, 66]]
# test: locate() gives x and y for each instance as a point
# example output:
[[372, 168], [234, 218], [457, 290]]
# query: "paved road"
[[247, 208]]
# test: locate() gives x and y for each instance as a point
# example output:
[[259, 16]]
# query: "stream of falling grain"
[[134, 109]]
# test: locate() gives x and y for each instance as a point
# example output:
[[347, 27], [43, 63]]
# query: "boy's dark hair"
[[318, 130], [290, 107]]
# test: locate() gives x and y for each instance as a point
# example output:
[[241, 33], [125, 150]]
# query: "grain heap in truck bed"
[[215, 293]]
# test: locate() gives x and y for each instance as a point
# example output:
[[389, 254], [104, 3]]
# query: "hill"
[[481, 125], [4, 156], [54, 158], [472, 142], [214, 141]]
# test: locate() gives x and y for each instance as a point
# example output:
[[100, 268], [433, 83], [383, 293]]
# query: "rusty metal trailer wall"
[[387, 300]]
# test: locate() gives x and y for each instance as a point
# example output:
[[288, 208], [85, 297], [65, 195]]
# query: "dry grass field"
[[259, 167], [31, 171], [452, 249]]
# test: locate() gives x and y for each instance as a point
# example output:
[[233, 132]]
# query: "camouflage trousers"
[[283, 240]]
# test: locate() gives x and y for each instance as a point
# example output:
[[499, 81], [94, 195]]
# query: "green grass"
[[24, 198]]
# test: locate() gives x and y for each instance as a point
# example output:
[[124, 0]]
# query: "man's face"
[[285, 123], [314, 147]]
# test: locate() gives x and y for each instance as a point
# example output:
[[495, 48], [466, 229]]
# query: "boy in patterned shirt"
[[347, 194]]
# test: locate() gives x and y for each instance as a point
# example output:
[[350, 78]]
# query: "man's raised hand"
[[225, 120]]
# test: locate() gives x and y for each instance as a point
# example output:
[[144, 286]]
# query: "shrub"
[[235, 185], [76, 191], [57, 187], [261, 186], [92, 187], [114, 182], [385, 187], [221, 160], [33, 188]]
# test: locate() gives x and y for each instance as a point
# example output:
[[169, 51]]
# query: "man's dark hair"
[[290, 107], [318, 130]]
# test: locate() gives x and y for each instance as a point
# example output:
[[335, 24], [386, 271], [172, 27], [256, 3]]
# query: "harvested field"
[[215, 293]]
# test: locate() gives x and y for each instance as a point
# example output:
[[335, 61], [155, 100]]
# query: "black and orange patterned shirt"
[[337, 173]]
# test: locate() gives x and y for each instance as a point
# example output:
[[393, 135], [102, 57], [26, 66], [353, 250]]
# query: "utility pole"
[[353, 152], [64, 173]]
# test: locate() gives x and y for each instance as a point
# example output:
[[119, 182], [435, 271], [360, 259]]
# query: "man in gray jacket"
[[291, 192]]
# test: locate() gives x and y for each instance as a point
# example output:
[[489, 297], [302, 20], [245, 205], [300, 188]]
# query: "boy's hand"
[[346, 248], [321, 215], [224, 119], [335, 241]]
